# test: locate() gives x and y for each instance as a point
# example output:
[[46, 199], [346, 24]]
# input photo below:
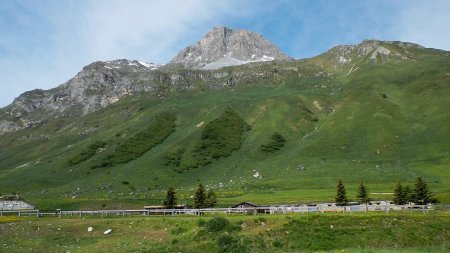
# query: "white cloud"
[[149, 29], [424, 22]]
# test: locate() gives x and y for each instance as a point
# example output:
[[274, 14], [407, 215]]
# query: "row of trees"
[[202, 199], [341, 194], [420, 195]]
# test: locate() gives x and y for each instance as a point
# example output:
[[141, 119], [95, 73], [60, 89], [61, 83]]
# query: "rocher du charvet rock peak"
[[223, 46]]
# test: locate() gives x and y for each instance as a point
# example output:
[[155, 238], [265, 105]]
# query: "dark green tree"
[[171, 199], [200, 197], [399, 194], [363, 195], [408, 193], [422, 194], [211, 199], [341, 195]]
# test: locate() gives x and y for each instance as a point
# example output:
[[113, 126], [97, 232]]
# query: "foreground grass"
[[374, 232]]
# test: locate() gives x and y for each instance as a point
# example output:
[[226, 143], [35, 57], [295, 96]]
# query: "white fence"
[[281, 209]]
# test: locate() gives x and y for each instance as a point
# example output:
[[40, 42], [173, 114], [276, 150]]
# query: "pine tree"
[[422, 194], [200, 197], [399, 194], [211, 199], [409, 195], [363, 195], [341, 198], [171, 199]]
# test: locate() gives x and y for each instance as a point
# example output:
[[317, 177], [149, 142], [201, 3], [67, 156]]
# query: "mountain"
[[103, 83], [223, 47], [120, 132]]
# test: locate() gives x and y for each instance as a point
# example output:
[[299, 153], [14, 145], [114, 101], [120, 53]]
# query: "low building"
[[251, 208], [8, 205], [156, 207], [245, 205]]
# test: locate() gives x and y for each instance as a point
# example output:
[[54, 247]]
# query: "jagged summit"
[[223, 46]]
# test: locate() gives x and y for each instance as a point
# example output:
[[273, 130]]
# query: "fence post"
[[37, 214], [19, 212]]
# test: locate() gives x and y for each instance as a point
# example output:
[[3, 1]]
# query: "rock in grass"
[[90, 229], [107, 231]]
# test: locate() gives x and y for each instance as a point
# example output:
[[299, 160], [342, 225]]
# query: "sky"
[[45, 43]]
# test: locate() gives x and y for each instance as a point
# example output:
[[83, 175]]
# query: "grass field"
[[371, 232]]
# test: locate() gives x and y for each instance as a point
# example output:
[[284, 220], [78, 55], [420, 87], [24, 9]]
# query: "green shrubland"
[[88, 153], [161, 127], [220, 137]]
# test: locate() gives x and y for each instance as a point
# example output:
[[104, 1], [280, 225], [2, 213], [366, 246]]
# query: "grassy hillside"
[[374, 232], [380, 124]]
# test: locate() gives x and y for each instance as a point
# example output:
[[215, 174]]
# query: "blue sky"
[[44, 43]]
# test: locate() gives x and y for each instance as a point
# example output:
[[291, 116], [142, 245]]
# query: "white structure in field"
[[14, 205]]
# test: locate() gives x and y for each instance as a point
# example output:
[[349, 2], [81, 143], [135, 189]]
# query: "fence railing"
[[281, 209]]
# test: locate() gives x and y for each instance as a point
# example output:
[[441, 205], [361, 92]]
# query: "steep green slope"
[[382, 123]]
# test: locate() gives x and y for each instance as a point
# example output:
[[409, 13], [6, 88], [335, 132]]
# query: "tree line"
[[420, 194], [202, 198]]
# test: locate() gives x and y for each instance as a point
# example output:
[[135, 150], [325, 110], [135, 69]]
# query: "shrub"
[[201, 223], [277, 243], [275, 142], [178, 230], [229, 244], [158, 130], [174, 157], [217, 224], [86, 154]]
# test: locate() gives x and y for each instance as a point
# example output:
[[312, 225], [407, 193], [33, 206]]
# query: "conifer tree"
[[200, 197], [408, 193], [171, 199], [399, 194], [211, 199], [363, 195], [341, 197], [422, 194]]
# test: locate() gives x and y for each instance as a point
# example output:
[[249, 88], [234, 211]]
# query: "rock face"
[[223, 46], [374, 50]]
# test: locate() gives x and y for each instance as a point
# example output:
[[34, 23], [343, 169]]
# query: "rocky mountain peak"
[[375, 50], [223, 46]]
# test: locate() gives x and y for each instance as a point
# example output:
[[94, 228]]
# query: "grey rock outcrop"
[[374, 50], [223, 46]]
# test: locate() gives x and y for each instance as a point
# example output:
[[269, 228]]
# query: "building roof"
[[245, 203]]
